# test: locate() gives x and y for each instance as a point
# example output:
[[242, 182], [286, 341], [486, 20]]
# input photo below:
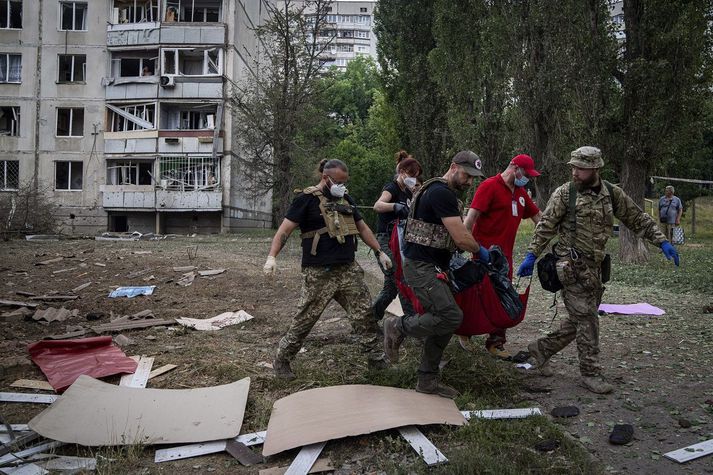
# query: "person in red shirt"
[[499, 204]]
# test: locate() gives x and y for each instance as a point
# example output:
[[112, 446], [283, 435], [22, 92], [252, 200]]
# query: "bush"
[[26, 211]]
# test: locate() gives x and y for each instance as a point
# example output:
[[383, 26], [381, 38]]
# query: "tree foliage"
[[277, 108]]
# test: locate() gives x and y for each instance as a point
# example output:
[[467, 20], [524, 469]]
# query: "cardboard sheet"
[[94, 413], [318, 415]]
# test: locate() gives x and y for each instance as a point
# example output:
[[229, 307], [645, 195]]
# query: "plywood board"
[[23, 397], [302, 464], [95, 413], [318, 415], [395, 307], [519, 413]]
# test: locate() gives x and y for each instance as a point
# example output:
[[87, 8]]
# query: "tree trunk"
[[632, 249]]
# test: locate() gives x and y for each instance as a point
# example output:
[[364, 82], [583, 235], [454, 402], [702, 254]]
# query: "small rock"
[[547, 445], [684, 423], [150, 337], [91, 316], [123, 340]]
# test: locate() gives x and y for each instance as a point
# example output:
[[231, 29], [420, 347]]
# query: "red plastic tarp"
[[63, 361]]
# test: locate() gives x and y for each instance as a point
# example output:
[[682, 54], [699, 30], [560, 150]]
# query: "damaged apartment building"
[[118, 108]]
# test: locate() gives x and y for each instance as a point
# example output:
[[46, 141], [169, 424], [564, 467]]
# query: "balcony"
[[139, 198]]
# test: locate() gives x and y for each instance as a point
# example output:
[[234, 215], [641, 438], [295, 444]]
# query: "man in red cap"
[[499, 204]]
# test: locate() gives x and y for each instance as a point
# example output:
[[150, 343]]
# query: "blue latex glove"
[[527, 266], [670, 252], [483, 255]]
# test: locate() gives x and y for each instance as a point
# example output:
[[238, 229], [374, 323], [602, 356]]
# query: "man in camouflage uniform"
[[580, 250], [329, 222]]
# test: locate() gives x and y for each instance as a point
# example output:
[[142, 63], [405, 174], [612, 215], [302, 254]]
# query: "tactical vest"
[[338, 218], [428, 234]]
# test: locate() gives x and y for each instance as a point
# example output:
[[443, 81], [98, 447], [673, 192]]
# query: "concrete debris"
[[49, 261], [12, 303], [80, 287], [52, 314], [206, 273], [184, 268], [187, 279], [216, 323], [123, 340], [73, 331]]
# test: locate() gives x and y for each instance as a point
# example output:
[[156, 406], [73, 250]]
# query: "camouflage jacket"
[[595, 222]]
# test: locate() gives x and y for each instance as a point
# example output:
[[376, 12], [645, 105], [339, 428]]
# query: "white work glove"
[[270, 266], [384, 260]]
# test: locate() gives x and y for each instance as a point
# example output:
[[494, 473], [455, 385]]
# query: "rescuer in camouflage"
[[581, 251]]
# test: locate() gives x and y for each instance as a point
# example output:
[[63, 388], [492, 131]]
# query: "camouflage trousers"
[[442, 314], [345, 284], [581, 300]]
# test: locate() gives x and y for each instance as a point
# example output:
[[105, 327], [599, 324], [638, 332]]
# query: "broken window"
[[199, 11], [10, 67], [10, 121], [73, 16], [188, 117], [135, 11], [72, 67], [134, 64], [186, 173], [126, 118], [129, 172], [9, 175], [10, 14], [70, 122], [68, 176], [192, 62]]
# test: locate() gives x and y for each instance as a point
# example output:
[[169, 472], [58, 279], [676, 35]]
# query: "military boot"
[[596, 384], [393, 337], [542, 363], [429, 384], [282, 369]]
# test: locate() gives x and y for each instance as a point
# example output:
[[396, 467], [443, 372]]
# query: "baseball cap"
[[470, 162], [526, 163]]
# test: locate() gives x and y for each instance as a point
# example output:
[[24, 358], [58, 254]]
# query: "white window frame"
[[143, 12], [74, 15], [14, 130], [69, 175], [72, 70], [71, 122], [7, 6], [3, 183], [207, 62], [7, 68], [141, 111], [119, 171]]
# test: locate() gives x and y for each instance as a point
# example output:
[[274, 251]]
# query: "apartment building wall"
[[98, 205]]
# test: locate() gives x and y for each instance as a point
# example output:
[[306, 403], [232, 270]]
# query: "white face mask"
[[337, 190], [410, 182]]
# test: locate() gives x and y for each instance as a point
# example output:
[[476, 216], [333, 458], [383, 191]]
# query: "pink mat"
[[63, 361], [631, 309]]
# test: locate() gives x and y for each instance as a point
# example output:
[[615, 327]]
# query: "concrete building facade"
[[117, 109], [350, 33]]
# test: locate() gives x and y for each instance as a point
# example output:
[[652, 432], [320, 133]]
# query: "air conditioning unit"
[[168, 81], [172, 140]]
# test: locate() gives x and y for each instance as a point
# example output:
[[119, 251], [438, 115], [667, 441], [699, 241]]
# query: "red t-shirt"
[[497, 223]]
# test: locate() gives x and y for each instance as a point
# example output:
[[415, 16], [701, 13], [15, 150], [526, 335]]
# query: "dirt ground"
[[661, 365]]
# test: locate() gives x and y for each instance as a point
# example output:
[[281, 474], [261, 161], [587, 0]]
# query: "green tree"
[[473, 68], [404, 28], [563, 85], [665, 77], [278, 120]]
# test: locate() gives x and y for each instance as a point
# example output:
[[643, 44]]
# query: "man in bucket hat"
[[582, 214]]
